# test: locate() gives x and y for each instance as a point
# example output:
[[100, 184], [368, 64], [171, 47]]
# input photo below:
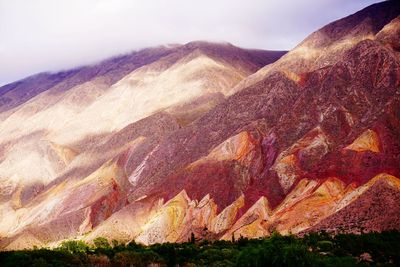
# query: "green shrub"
[[101, 243], [74, 246]]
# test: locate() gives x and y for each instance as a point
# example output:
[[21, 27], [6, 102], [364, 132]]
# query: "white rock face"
[[40, 139]]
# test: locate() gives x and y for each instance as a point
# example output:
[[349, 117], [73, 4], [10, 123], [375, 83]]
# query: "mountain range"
[[209, 139]]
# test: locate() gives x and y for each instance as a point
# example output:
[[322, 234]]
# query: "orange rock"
[[301, 211], [166, 225], [252, 223], [227, 217], [367, 141], [238, 147]]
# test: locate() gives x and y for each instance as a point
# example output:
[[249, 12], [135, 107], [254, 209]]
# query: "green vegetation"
[[371, 249]]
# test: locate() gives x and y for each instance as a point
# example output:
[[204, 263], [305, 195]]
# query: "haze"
[[49, 35]]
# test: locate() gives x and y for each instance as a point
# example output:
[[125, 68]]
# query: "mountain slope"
[[375, 209], [56, 145], [110, 71], [323, 47], [297, 128]]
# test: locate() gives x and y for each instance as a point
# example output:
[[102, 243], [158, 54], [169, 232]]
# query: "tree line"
[[314, 249]]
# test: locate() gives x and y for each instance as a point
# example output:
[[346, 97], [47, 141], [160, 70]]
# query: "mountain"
[[211, 139], [60, 129]]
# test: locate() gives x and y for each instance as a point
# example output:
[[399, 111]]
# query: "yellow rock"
[[238, 147], [205, 212], [166, 225], [287, 170], [308, 205], [227, 217], [367, 141], [252, 223], [292, 76]]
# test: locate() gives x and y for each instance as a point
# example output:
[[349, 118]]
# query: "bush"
[[74, 246], [101, 243]]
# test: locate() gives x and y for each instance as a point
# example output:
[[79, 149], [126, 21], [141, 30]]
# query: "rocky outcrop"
[[252, 223], [367, 141], [374, 208]]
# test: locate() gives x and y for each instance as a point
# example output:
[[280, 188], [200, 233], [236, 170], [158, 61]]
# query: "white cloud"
[[40, 35]]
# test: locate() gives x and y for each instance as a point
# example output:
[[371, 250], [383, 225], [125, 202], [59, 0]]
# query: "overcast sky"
[[50, 35]]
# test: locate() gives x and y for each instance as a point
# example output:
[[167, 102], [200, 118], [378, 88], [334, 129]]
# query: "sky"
[[52, 35]]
